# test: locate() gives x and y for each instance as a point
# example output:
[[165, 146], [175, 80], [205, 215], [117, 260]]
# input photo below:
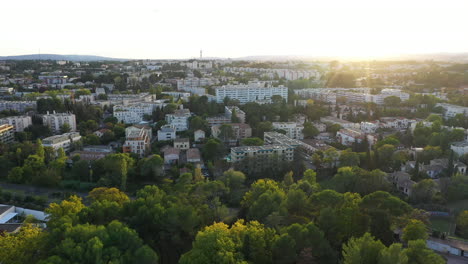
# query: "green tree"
[[254, 141], [462, 224], [362, 250], [415, 230], [65, 128], [418, 253], [310, 130]]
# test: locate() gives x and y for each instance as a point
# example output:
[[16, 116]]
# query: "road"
[[39, 191]]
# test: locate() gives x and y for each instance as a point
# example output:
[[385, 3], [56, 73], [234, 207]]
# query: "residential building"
[[182, 143], [369, 127], [461, 148], [56, 120], [252, 92], [228, 110], [292, 129], [126, 99], [348, 137], [6, 133], [137, 140], [91, 153], [61, 141], [193, 155], [402, 182], [338, 121], [179, 119], [453, 110], [167, 132], [18, 106], [18, 122], [133, 113], [171, 155], [239, 131], [199, 135], [283, 152]]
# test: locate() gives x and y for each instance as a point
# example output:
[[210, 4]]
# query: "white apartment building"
[[343, 123], [167, 132], [369, 127], [133, 113], [18, 122], [179, 119], [293, 130], [126, 99], [461, 148], [252, 92], [137, 140], [195, 83], [453, 110], [284, 152], [18, 106], [6, 133], [56, 120], [239, 113], [61, 141], [348, 136]]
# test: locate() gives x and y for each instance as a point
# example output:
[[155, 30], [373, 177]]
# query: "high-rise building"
[[56, 120], [252, 92]]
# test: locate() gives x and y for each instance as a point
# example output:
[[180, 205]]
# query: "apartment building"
[[6, 133], [61, 141], [167, 132], [125, 99], [91, 153], [453, 110], [228, 110], [292, 129], [252, 92], [179, 119], [338, 121], [18, 122], [283, 152], [133, 113], [18, 106], [56, 120], [239, 131], [137, 140]]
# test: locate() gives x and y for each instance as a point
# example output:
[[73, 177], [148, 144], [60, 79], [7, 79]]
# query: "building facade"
[[18, 122], [56, 120], [252, 92]]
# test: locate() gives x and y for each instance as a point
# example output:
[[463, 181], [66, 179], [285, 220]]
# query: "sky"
[[178, 29]]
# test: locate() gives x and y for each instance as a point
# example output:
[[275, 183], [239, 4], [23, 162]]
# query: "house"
[[101, 132], [167, 132], [182, 143], [348, 137], [10, 222], [171, 155], [199, 135], [193, 155], [402, 181], [461, 148]]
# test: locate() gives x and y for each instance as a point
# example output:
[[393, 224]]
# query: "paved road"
[[455, 259]]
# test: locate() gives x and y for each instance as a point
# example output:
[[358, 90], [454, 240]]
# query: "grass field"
[[458, 206], [442, 224]]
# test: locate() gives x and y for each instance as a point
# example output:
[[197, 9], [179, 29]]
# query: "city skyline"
[[158, 30]]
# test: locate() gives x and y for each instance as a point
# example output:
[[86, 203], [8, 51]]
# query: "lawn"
[[441, 223]]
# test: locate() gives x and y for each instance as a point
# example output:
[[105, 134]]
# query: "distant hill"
[[60, 57]]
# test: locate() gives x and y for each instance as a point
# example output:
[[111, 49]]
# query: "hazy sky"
[[180, 28]]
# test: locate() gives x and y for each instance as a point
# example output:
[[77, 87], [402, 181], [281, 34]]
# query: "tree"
[[254, 141], [22, 247], [394, 254], [418, 253], [348, 158], [151, 168], [414, 230], [264, 198], [310, 130], [65, 128], [108, 194], [424, 191], [16, 175], [362, 250], [242, 243], [114, 243], [392, 101], [234, 117], [462, 224], [226, 132], [212, 149]]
